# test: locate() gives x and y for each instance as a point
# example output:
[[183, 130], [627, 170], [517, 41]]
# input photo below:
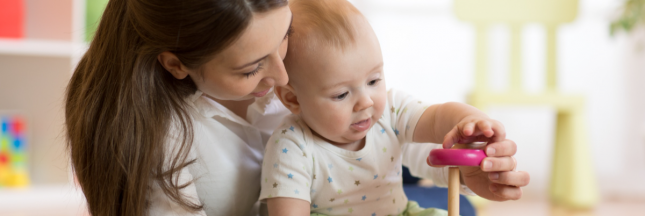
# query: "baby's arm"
[[287, 171], [451, 123], [287, 206], [404, 115]]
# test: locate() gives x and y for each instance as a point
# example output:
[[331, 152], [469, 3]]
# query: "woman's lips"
[[362, 125], [260, 94]]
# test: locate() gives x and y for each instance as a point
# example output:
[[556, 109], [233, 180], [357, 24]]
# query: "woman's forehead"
[[262, 36]]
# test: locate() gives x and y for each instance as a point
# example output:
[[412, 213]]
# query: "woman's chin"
[[230, 98]]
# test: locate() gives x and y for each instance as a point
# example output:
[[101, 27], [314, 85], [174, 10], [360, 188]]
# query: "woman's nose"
[[276, 73]]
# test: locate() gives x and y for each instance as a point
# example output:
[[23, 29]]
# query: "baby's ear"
[[288, 97]]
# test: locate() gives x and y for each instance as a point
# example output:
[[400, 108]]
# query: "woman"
[[171, 90], [134, 91]]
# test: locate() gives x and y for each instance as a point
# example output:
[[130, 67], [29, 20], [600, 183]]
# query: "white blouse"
[[228, 151]]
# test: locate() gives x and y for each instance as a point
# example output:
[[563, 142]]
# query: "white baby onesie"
[[336, 181]]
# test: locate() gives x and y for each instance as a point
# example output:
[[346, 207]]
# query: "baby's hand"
[[475, 129], [495, 179]]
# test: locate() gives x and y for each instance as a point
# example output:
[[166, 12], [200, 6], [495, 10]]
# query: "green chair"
[[573, 184]]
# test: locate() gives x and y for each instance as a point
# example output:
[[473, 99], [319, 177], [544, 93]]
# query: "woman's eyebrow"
[[250, 63], [260, 59]]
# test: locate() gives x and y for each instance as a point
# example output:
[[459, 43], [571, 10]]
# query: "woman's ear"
[[172, 64], [287, 95]]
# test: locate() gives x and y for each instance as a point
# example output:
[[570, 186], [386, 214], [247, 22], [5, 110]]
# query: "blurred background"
[[431, 50]]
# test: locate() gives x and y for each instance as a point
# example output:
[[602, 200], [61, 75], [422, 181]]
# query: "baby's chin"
[[344, 138], [355, 137]]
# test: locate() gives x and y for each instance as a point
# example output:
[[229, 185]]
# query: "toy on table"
[[13, 153], [454, 158]]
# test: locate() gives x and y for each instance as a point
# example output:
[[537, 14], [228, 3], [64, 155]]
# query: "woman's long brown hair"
[[122, 105]]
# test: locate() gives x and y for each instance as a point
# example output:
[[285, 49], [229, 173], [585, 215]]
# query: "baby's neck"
[[353, 146]]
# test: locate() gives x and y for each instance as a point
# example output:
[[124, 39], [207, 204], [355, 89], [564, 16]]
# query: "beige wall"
[[35, 87]]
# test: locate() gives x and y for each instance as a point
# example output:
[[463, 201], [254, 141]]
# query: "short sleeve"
[[287, 166], [403, 112]]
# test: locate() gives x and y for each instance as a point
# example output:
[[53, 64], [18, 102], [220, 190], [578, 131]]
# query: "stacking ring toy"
[[454, 158]]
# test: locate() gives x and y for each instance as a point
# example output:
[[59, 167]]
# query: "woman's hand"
[[495, 178]]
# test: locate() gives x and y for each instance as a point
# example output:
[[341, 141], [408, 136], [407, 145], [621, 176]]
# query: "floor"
[[67, 201], [543, 208]]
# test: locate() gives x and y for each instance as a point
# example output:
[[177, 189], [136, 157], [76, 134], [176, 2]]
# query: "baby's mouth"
[[362, 125]]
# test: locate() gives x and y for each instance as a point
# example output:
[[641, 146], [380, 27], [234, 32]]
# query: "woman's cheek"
[[226, 89], [244, 86]]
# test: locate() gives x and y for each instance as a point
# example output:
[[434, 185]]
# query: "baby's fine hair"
[[325, 23]]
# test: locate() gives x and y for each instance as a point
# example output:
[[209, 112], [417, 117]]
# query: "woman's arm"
[[282, 206]]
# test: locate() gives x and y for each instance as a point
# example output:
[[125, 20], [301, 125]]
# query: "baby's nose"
[[364, 103]]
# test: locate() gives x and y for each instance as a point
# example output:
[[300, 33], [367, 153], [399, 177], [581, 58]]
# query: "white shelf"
[[31, 47], [44, 199]]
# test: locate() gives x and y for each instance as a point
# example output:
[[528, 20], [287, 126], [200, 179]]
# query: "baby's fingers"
[[468, 129], [498, 164], [451, 138], [501, 149], [505, 192], [499, 131], [512, 178], [486, 128]]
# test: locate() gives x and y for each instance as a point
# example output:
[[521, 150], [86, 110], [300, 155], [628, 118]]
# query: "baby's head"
[[335, 70]]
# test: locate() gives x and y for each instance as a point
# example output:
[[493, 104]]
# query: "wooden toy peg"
[[455, 158]]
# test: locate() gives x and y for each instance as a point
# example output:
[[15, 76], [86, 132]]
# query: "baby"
[[341, 151]]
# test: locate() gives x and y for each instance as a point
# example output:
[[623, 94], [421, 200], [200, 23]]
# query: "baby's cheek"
[[333, 123], [336, 123], [379, 106], [326, 122]]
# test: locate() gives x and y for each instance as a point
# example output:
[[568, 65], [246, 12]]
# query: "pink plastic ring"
[[456, 157]]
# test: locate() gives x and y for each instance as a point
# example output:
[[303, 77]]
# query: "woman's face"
[[252, 65]]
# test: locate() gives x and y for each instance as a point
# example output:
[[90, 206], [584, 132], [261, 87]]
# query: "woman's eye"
[[254, 72], [289, 32], [373, 82], [341, 96]]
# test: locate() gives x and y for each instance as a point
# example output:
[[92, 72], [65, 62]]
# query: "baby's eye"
[[373, 82], [341, 96]]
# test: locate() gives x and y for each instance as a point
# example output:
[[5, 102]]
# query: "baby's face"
[[342, 94]]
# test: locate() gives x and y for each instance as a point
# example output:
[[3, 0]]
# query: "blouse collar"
[[209, 108]]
